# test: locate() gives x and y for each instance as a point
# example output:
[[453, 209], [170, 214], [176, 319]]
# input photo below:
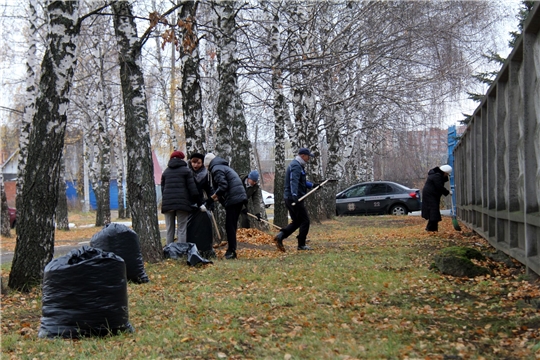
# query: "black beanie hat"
[[197, 155]]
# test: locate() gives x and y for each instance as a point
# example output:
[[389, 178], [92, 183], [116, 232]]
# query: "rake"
[[264, 221], [314, 189]]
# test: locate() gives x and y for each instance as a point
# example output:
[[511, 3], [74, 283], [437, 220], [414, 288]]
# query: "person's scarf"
[[200, 174], [300, 160]]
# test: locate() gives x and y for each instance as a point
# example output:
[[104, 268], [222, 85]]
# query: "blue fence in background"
[[73, 197], [452, 141]]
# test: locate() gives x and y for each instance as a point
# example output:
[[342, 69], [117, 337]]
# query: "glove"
[[315, 185], [244, 211], [258, 215], [294, 200], [202, 208], [451, 192]]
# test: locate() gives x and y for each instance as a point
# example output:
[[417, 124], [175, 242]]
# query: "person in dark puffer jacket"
[[230, 192], [178, 194], [431, 195]]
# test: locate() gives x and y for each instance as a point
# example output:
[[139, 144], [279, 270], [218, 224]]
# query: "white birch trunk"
[[280, 112], [191, 87], [39, 195], [232, 142], [140, 168], [32, 65]]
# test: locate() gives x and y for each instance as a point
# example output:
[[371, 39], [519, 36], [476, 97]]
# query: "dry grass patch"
[[83, 230], [365, 292]]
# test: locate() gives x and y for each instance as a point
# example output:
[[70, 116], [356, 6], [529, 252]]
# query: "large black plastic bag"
[[124, 242], [84, 294], [199, 232], [178, 250]]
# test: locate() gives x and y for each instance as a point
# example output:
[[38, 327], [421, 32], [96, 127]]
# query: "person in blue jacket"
[[296, 186], [230, 193]]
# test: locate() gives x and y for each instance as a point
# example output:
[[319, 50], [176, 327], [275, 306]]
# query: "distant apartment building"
[[406, 156]]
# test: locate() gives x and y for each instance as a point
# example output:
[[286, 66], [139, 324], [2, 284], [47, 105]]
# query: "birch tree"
[[190, 86], [140, 168], [38, 198], [279, 110], [32, 66], [232, 142], [62, 221], [360, 69], [119, 155]]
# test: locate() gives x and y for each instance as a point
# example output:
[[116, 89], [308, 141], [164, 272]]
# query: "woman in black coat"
[[230, 192], [199, 228], [431, 195], [178, 194]]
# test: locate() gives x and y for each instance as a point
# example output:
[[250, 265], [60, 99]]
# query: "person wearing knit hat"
[[254, 176], [178, 193], [208, 159], [230, 193], [199, 229], [177, 154], [255, 202], [431, 195], [197, 155]]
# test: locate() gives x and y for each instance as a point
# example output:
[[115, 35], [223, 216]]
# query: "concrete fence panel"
[[497, 160]]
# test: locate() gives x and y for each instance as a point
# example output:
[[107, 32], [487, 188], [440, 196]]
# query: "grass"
[[82, 230], [365, 292]]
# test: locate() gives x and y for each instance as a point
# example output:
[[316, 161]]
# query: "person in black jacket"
[[296, 186], [199, 228], [431, 195], [200, 175], [178, 194], [230, 192]]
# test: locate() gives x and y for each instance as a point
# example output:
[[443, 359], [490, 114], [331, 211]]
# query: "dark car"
[[12, 217], [377, 197]]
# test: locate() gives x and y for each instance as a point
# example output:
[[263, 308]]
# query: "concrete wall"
[[497, 161]]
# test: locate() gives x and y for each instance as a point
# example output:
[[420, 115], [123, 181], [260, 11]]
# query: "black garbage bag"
[[84, 294], [124, 242], [178, 250], [199, 232]]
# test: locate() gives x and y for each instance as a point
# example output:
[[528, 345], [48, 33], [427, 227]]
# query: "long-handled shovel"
[[264, 221], [454, 219], [313, 190]]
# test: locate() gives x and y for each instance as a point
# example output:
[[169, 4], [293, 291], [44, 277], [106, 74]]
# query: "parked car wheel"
[[398, 210]]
